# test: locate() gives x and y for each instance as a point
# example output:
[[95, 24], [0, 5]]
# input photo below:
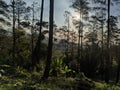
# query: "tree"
[[4, 6], [5, 48], [20, 6], [50, 43], [114, 41], [91, 54], [108, 61], [67, 16], [36, 51], [32, 29], [79, 25], [14, 34], [107, 67], [81, 6], [118, 57], [102, 19], [22, 49], [91, 37], [64, 40], [73, 42], [114, 30]]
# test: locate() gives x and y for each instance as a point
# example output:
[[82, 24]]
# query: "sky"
[[60, 7]]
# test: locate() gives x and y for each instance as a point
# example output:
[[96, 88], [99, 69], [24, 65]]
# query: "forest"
[[72, 48]]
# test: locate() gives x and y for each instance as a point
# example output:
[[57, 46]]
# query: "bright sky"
[[60, 7]]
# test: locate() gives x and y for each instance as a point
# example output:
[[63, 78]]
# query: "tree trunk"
[[14, 39], [50, 43], [32, 35], [36, 51], [107, 71], [18, 16], [79, 41], [118, 67], [102, 55], [79, 45], [118, 72], [79, 37], [72, 50], [67, 48]]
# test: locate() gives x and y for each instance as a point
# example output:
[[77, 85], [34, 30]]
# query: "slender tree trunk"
[[32, 35], [79, 42], [118, 74], [118, 67], [50, 43], [79, 45], [118, 71], [79, 36], [107, 71], [18, 8], [14, 39], [81, 39], [72, 50], [65, 44], [36, 52], [102, 57], [67, 49]]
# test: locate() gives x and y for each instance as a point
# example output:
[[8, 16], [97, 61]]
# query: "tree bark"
[[67, 48], [36, 51], [118, 71], [107, 71], [118, 67], [50, 43], [32, 31], [18, 16], [14, 39]]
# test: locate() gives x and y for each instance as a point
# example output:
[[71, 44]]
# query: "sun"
[[76, 16]]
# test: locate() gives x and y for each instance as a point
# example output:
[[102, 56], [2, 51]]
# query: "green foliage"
[[14, 74], [22, 49], [104, 86], [20, 79], [23, 80], [59, 68], [5, 47], [81, 76], [56, 66], [67, 70]]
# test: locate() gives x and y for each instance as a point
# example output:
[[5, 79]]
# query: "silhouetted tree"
[[36, 51], [100, 17], [108, 62], [118, 61], [67, 16], [20, 9], [81, 6], [50, 43], [14, 34]]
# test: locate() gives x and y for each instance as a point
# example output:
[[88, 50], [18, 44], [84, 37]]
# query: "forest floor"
[[20, 79]]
